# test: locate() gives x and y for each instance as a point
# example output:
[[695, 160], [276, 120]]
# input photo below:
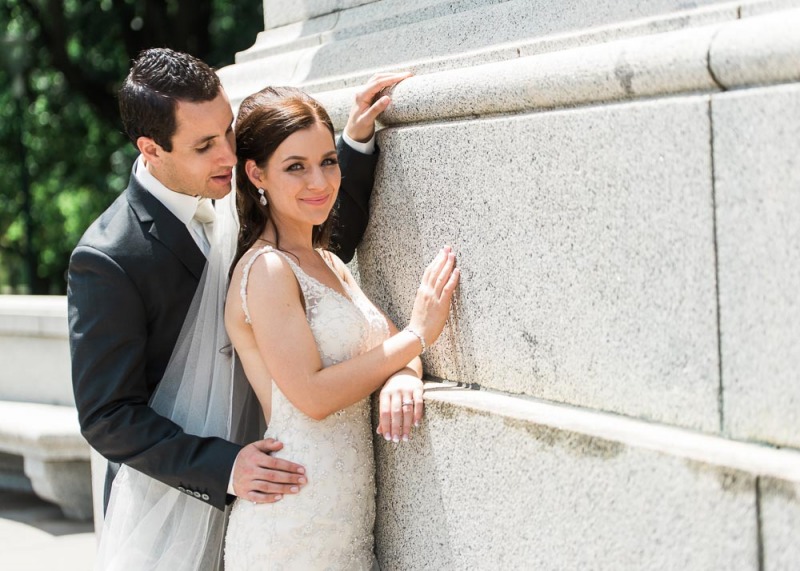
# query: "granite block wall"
[[779, 502], [586, 242], [757, 180]]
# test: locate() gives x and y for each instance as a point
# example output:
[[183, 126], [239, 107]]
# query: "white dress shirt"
[[181, 205], [364, 148]]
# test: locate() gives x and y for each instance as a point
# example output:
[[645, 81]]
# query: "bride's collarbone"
[[314, 265]]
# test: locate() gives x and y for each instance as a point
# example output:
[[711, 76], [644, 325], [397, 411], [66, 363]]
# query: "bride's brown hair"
[[264, 121]]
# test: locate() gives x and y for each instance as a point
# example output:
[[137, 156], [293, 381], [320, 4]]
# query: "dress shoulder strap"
[[298, 272]]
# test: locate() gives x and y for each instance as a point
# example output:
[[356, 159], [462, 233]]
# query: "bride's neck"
[[293, 238]]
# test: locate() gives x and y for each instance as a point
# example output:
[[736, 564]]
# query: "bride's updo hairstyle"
[[265, 120]]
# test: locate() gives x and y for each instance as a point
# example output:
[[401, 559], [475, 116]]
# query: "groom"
[[134, 273]]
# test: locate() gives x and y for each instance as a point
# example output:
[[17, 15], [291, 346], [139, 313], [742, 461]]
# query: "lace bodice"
[[329, 524], [343, 327]]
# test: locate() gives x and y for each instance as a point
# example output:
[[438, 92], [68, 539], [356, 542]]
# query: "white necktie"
[[203, 222]]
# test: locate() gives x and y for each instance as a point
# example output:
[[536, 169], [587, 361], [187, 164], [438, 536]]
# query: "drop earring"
[[263, 199]]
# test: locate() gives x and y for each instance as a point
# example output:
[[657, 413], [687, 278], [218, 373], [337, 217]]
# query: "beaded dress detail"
[[328, 525]]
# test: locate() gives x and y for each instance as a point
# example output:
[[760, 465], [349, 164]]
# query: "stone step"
[[494, 481]]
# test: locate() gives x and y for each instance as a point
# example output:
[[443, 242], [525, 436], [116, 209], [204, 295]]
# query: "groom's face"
[[203, 150]]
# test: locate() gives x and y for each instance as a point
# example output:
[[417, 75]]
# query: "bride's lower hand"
[[401, 407]]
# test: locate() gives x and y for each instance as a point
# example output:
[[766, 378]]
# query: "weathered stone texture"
[[480, 491], [282, 12], [463, 31], [780, 524], [757, 51], [757, 179], [585, 239]]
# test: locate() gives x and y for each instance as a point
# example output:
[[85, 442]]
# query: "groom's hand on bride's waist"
[[262, 478]]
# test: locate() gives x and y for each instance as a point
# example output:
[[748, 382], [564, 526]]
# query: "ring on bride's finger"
[[408, 403]]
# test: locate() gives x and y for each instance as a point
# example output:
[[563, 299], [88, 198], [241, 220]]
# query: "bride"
[[312, 345]]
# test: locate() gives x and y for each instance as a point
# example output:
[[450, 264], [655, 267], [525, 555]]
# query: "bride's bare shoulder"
[[263, 262], [261, 278]]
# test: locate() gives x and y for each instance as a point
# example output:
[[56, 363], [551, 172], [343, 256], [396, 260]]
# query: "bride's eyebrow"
[[300, 158]]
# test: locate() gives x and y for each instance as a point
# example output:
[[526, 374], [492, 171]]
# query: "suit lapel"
[[165, 227]]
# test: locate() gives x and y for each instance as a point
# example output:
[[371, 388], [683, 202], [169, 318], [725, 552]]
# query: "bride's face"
[[302, 177]]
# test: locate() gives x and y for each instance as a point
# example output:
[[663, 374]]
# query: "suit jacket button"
[[196, 494], [205, 497], [181, 489]]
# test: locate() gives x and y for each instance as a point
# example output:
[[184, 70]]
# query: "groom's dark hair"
[[159, 78]]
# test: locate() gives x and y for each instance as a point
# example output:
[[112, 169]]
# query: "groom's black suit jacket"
[[130, 284]]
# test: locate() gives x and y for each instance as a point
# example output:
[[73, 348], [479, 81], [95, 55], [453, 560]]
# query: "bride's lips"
[[316, 201]]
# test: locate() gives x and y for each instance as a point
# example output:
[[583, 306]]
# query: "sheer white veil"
[[148, 524]]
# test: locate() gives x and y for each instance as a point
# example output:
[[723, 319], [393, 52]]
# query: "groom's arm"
[[108, 338], [352, 206], [358, 166]]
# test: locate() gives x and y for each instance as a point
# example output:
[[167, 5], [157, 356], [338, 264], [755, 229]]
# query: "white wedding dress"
[[328, 525]]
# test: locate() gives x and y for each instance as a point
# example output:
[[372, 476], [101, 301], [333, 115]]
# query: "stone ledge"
[[319, 54], [360, 29], [357, 21], [667, 64], [757, 50], [760, 50], [33, 316], [755, 459], [495, 482]]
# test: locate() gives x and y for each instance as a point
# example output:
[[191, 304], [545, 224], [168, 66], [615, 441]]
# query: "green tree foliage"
[[61, 63]]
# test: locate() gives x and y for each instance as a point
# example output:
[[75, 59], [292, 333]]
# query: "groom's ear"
[[151, 151]]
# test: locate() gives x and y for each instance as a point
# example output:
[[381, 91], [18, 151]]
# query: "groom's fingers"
[[266, 487], [257, 456], [255, 471], [260, 498], [272, 463], [268, 445], [269, 483], [280, 477], [265, 460]]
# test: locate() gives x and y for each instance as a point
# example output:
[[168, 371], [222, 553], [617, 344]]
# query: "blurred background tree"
[[63, 156]]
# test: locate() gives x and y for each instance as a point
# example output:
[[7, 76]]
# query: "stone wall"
[[619, 181]]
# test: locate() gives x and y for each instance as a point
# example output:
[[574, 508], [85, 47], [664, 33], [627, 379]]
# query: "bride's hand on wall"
[[370, 102], [401, 406], [432, 304]]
